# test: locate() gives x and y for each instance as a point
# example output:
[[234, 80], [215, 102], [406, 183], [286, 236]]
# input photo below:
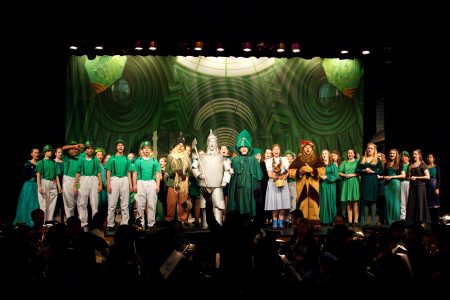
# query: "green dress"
[[369, 182], [28, 197], [369, 186], [327, 194], [350, 186], [392, 195]]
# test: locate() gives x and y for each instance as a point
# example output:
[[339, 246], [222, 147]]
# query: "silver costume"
[[212, 171]]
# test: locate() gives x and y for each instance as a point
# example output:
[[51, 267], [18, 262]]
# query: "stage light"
[[281, 47], [247, 47], [344, 51], [219, 47], [73, 47], [366, 52], [295, 47], [198, 46], [138, 46], [99, 47], [445, 219], [152, 45]]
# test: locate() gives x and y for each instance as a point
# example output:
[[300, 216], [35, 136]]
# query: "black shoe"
[[185, 224]]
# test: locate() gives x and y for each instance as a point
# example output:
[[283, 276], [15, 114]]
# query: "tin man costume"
[[213, 171]]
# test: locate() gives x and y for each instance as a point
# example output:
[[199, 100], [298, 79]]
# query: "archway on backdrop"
[[277, 100]]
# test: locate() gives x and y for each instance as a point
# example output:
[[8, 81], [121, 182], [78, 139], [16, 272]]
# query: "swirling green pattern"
[[280, 104]]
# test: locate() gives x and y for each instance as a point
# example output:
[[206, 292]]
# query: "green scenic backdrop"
[[277, 100]]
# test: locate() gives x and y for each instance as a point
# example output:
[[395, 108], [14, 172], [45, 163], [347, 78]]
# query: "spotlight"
[[99, 47], [247, 47], [198, 46], [219, 47], [445, 220], [295, 47], [138, 46], [366, 52], [73, 47], [152, 45], [281, 47]]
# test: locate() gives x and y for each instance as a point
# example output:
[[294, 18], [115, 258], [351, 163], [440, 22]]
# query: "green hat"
[[88, 144], [405, 153], [244, 140], [73, 143], [289, 152], [145, 144], [256, 151], [100, 149], [47, 148], [120, 141]]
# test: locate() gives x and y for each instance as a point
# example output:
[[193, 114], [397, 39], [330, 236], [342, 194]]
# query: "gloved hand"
[[306, 169]]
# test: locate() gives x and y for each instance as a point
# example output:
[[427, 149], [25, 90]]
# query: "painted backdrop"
[[277, 100]]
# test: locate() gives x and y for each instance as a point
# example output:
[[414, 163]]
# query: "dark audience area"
[[238, 259]]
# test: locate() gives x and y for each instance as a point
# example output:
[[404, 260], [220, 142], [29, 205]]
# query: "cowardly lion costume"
[[306, 169]]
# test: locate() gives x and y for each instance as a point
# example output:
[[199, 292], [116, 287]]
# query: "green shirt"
[[89, 167], [70, 165], [118, 165], [146, 169], [48, 169]]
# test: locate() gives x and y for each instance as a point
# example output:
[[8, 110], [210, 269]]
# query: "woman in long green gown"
[[393, 172], [28, 197], [369, 168], [327, 189]]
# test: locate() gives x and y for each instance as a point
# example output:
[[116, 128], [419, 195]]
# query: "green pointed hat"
[[244, 140]]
